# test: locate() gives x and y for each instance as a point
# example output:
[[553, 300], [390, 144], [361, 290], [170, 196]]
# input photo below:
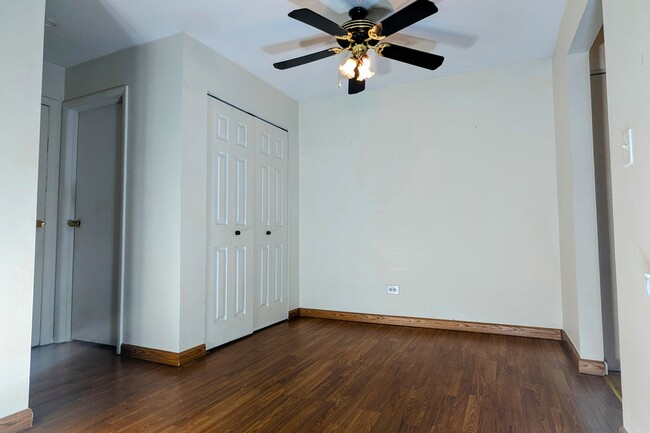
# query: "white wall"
[[446, 187], [585, 228], [206, 71], [53, 81], [609, 303], [576, 189], [568, 28], [627, 38], [153, 73], [169, 81], [20, 95]]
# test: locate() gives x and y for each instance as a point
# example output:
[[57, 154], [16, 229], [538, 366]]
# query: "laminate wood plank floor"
[[315, 375]]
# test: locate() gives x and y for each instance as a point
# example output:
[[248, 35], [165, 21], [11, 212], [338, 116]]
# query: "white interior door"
[[98, 191], [270, 224], [229, 312], [40, 226]]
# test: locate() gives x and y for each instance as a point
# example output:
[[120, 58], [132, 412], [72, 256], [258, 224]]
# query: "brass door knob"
[[74, 223], [40, 224]]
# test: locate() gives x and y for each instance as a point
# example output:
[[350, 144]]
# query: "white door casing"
[[229, 300], [68, 187], [270, 224], [40, 229], [46, 236]]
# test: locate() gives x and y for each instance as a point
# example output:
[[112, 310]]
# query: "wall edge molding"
[[17, 422], [440, 324], [584, 366], [293, 314], [158, 356]]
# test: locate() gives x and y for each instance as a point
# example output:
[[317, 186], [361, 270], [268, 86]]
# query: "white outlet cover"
[[392, 289]]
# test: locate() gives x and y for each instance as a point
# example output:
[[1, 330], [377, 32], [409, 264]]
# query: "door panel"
[[230, 235], [278, 286], [262, 268], [270, 230], [97, 206]]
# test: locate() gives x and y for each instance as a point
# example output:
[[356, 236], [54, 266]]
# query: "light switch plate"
[[628, 148]]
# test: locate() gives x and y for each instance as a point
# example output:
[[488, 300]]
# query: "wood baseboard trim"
[[622, 430], [585, 366], [447, 325], [293, 314], [162, 356], [17, 422]]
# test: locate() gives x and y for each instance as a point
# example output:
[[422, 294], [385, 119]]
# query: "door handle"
[[40, 224], [74, 223], [268, 232]]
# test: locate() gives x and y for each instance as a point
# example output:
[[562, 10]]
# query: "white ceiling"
[[471, 34]]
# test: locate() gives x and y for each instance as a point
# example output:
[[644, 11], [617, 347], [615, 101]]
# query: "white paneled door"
[[270, 224], [246, 234], [230, 233]]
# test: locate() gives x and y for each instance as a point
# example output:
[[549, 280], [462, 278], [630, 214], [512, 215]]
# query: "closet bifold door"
[[271, 235], [230, 230]]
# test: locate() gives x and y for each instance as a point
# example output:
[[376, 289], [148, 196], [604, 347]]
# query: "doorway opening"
[[87, 304], [604, 213]]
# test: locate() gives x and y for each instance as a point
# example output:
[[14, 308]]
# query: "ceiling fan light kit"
[[360, 35]]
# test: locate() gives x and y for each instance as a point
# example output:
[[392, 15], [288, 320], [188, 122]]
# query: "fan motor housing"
[[358, 26]]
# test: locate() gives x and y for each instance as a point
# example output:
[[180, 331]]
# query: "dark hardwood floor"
[[314, 375]]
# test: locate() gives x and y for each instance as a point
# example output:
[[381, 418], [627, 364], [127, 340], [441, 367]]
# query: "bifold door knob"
[[40, 224], [268, 232], [237, 233]]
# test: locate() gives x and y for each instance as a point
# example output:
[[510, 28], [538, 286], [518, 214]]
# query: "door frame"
[[68, 169], [46, 332]]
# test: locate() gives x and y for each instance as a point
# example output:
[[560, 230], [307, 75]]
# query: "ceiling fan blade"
[[292, 63], [411, 14], [313, 19], [410, 56], [355, 86]]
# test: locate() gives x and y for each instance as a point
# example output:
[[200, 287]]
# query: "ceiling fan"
[[360, 35]]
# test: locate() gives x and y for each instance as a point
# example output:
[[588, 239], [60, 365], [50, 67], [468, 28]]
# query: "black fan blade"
[[355, 86], [313, 19], [410, 56], [305, 59], [411, 14]]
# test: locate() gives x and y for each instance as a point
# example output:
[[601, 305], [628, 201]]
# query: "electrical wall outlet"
[[392, 290]]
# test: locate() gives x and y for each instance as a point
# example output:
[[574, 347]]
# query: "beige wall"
[[21, 48], [627, 36], [169, 81], [446, 187], [53, 81], [205, 71], [585, 229], [153, 73], [579, 266]]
